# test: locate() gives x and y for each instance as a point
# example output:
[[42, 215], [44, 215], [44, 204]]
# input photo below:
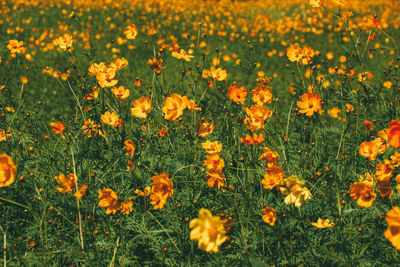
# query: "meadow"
[[199, 133]]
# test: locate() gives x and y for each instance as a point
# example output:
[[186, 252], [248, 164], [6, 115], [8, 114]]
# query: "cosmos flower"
[[310, 103], [8, 170], [208, 230]]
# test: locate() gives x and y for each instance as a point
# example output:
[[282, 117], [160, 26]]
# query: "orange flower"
[[372, 22], [161, 189], [262, 94], [237, 94], [393, 232], [270, 156], [316, 3], [214, 162], [108, 199], [90, 128], [181, 54], [363, 193], [256, 117], [141, 107], [212, 147], [57, 127], [162, 131], [192, 106], [370, 125], [81, 192], [118, 64], [174, 106], [256, 139], [131, 32], [215, 179], [273, 177], [65, 42], [129, 147], [385, 188], [308, 53], [138, 82], [384, 171], [269, 216], [323, 223], [126, 207], [111, 118], [8, 170], [92, 96], [144, 193], [294, 53], [334, 112], [68, 183], [371, 149], [218, 74], [205, 128], [394, 133], [120, 92], [156, 65], [310, 103], [106, 77], [16, 47]]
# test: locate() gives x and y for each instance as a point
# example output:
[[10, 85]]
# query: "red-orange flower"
[[394, 133], [237, 94], [256, 139], [310, 103], [57, 127], [129, 147]]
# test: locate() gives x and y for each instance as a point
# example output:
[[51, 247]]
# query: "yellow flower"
[[65, 42], [141, 107], [322, 223], [208, 230], [295, 192], [212, 147], [131, 32], [218, 74], [174, 106], [8, 170], [111, 118], [120, 92]]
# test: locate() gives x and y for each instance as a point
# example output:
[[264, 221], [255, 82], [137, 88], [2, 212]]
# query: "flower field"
[[199, 133]]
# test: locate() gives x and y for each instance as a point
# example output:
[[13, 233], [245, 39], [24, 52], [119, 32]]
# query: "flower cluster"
[[214, 163]]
